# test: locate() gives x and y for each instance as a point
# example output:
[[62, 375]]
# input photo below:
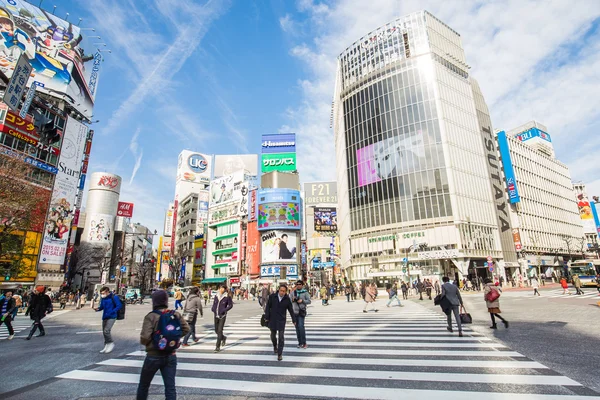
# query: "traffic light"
[[45, 127]]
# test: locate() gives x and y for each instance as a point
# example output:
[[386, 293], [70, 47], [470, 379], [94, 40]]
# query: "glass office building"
[[415, 193]]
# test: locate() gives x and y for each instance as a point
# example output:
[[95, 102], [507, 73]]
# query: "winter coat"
[[323, 293], [534, 283], [563, 283], [220, 307], [109, 306], [451, 292], [275, 311], [488, 288], [264, 296], [12, 304], [149, 326], [39, 305], [576, 282], [193, 304], [370, 293], [300, 295]]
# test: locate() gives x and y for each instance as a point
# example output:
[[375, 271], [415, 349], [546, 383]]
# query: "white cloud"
[[520, 52]]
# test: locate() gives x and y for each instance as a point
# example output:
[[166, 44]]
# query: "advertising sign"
[[224, 213], [198, 247], [28, 101], [174, 228], [509, 172], [278, 209], [125, 209], [18, 82], [596, 217], [533, 133], [585, 213], [279, 143], [252, 250], [228, 164], [100, 228], [252, 206], [392, 157], [230, 189], [202, 211], [38, 164], [168, 228], [325, 219], [275, 270], [320, 193], [60, 67], [61, 210], [278, 162], [517, 239], [24, 129], [278, 246], [193, 167]]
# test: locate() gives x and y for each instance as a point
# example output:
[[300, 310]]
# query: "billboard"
[[252, 249], [509, 172], [61, 68], [320, 193], [193, 167], [230, 189], [275, 270], [252, 206], [278, 246], [168, 228], [228, 164], [23, 128], [533, 133], [125, 209], [585, 212], [61, 209], [279, 143], [202, 211], [278, 209], [391, 157], [325, 219], [100, 228], [596, 217], [517, 239], [278, 162]]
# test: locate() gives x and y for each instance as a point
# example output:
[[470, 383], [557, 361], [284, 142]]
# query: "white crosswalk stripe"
[[588, 294], [399, 352], [23, 323]]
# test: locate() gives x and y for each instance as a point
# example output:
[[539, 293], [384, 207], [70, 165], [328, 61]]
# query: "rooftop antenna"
[[80, 19], [41, 1], [54, 10], [67, 17]]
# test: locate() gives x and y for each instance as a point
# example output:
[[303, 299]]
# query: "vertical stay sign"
[[62, 203]]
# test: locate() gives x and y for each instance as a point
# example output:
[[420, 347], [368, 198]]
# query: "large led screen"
[[278, 246], [325, 219]]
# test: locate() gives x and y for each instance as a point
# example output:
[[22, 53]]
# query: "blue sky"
[[213, 76]]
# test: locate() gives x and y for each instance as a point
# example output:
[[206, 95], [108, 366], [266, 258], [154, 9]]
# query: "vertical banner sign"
[[28, 100], [174, 230], [93, 83], [509, 172], [182, 276], [252, 210], [18, 83], [243, 245], [517, 239], [596, 218], [62, 202]]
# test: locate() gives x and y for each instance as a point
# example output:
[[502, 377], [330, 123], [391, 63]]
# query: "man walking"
[[39, 305], [453, 301], [535, 285], [221, 305], [437, 287], [420, 288], [157, 358], [300, 299], [110, 304], [193, 307], [393, 292], [278, 304], [264, 296], [577, 284], [7, 306], [178, 297]]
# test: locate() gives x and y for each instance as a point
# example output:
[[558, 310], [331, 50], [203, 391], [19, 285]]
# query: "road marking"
[[82, 333], [324, 336]]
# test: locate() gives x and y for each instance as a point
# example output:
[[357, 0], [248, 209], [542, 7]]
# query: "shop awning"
[[214, 280], [224, 251], [217, 266]]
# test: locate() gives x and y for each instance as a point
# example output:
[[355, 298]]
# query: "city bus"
[[586, 270]]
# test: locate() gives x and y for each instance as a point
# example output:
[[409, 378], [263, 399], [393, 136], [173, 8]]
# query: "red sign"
[[125, 210], [234, 280], [108, 181], [252, 211], [252, 250], [174, 225]]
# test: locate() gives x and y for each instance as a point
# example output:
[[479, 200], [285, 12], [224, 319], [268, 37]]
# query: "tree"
[[23, 207], [582, 246], [143, 271], [569, 244], [87, 257]]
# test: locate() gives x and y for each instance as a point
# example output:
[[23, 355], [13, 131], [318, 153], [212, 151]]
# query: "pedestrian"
[[160, 328], [565, 285], [535, 285], [577, 284], [193, 307], [221, 305], [18, 304], [491, 294], [331, 292], [275, 313], [178, 297], [110, 304], [39, 306], [83, 299], [451, 302], [95, 297], [420, 288], [404, 288], [598, 283], [253, 293], [428, 288], [72, 298], [370, 296], [206, 296], [437, 287], [323, 294], [7, 306], [63, 301], [300, 300], [393, 293], [264, 296], [347, 292]]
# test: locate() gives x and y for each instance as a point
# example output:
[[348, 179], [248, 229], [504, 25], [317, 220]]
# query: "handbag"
[[188, 316], [437, 300], [465, 317], [263, 321], [492, 295]]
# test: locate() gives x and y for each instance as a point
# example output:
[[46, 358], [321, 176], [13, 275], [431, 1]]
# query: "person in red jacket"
[[565, 285]]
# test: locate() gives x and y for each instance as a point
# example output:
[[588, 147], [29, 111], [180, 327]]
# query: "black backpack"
[[121, 311]]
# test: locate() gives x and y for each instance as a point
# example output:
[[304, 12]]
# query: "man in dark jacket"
[[39, 305], [264, 296], [110, 304], [193, 306], [221, 305], [7, 306], [277, 305]]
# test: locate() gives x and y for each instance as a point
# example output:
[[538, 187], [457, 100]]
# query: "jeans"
[[7, 321], [300, 331], [279, 342], [394, 297], [178, 304], [348, 297], [219, 325], [405, 294], [456, 312], [107, 325], [168, 369], [192, 332]]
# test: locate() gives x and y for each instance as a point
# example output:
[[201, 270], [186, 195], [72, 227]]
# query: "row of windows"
[[226, 229], [19, 145]]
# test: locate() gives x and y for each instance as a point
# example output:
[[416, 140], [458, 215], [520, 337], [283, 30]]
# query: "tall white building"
[[414, 195]]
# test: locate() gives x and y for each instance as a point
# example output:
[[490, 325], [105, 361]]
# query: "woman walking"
[[491, 294], [370, 295], [193, 307], [535, 285], [565, 285], [221, 305]]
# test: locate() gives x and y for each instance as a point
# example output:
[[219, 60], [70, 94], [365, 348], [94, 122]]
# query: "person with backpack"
[[110, 305], [193, 307], [221, 305], [300, 299], [161, 333], [491, 294], [7, 306], [393, 293]]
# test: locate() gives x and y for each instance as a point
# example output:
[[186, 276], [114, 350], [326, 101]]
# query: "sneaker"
[[217, 350], [449, 329], [300, 346], [364, 310], [305, 346], [104, 349], [376, 310], [460, 334], [109, 347], [10, 337], [224, 341], [196, 340], [185, 345], [279, 357]]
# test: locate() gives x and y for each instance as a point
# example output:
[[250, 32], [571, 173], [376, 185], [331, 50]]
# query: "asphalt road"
[[559, 332]]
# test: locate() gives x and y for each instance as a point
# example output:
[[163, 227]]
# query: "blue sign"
[[332, 249], [303, 252], [27, 103], [81, 181], [274, 270], [123, 268], [277, 196], [29, 160], [182, 266], [197, 163], [533, 133], [279, 143], [321, 265], [596, 218], [203, 206], [509, 172]]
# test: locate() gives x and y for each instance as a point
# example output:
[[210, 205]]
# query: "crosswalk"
[[23, 323], [588, 294], [395, 353]]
